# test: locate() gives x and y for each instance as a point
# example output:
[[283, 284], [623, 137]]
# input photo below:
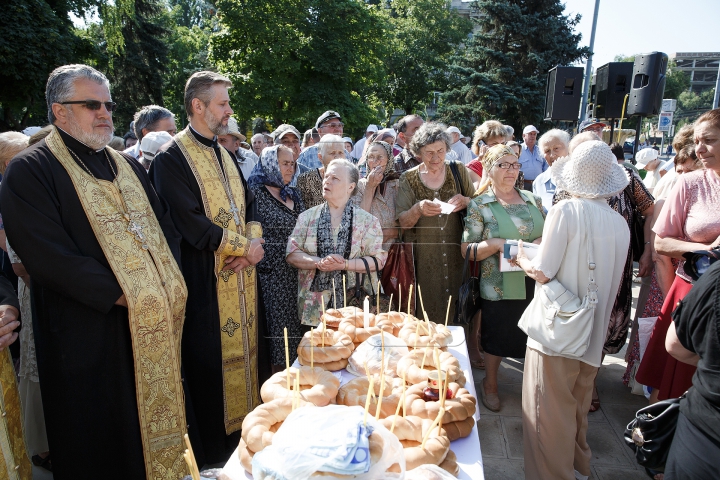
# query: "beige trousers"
[[556, 397]]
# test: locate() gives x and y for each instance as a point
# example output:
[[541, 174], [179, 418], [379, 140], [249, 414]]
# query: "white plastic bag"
[[369, 352], [320, 439]]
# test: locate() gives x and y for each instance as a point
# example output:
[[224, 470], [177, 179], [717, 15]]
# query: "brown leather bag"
[[399, 274]]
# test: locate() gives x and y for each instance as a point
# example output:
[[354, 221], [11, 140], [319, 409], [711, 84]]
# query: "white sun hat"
[[591, 172], [645, 156]]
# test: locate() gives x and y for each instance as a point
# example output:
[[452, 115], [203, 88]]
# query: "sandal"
[[45, 463], [594, 405], [478, 364]]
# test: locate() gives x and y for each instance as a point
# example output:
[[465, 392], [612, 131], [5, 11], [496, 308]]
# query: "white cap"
[[645, 156], [530, 128], [372, 128], [30, 131], [385, 131], [347, 140], [152, 142], [454, 130]]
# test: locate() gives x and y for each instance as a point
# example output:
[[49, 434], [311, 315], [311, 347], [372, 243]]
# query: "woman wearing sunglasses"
[[498, 212]]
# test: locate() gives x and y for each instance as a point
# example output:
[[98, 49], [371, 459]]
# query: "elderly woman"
[[684, 225], [557, 389], [330, 241], [634, 200], [553, 145], [379, 190], [310, 183], [487, 135], [436, 235], [278, 206], [500, 212]]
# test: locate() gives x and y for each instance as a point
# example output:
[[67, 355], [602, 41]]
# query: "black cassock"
[[201, 349], [84, 349]]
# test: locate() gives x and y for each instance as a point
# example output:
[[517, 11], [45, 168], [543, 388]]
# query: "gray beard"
[[215, 124], [95, 141]]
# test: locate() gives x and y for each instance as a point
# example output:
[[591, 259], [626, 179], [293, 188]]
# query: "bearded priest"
[[208, 199], [109, 297]]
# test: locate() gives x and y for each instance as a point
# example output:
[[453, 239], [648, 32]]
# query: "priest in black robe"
[[214, 431], [83, 340]]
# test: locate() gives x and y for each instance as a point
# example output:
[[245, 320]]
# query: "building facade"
[[701, 67]]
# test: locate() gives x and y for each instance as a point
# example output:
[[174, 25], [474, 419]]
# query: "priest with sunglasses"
[[108, 295]]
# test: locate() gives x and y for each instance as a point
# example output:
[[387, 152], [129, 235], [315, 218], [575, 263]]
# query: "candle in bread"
[[399, 298], [382, 389], [191, 455], [322, 305], [366, 313], [422, 364], [312, 349], [434, 424], [186, 456], [390, 303], [417, 334], [443, 394], [287, 359], [344, 290], [403, 395], [409, 298], [447, 313], [422, 305], [334, 295], [377, 297], [371, 388]]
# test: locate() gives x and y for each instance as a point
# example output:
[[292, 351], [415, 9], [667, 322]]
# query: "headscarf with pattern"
[[267, 172], [495, 153], [389, 173]]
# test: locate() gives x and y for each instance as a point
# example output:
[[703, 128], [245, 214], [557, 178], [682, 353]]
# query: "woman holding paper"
[[434, 227], [500, 212], [329, 240]]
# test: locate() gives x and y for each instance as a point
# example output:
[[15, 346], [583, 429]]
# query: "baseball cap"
[[372, 128], [348, 140], [645, 156], [152, 142], [327, 116], [283, 130], [530, 128], [589, 122], [234, 130]]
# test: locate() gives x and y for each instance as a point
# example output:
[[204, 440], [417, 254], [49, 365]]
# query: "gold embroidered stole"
[[236, 292], [156, 294], [14, 461]]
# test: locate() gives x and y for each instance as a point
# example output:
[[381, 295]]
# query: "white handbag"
[[559, 320]]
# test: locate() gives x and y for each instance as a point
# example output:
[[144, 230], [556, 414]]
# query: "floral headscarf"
[[267, 172], [389, 173], [494, 154]]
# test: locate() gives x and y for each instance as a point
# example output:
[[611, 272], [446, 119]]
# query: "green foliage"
[[623, 58], [502, 72], [676, 81], [291, 60], [424, 34], [35, 39]]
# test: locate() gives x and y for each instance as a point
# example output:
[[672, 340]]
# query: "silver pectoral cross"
[[234, 210], [137, 230]]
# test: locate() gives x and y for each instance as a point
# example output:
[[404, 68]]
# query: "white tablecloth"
[[467, 449]]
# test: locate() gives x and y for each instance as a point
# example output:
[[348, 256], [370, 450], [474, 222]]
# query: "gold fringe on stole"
[[156, 294], [236, 293], [14, 461]]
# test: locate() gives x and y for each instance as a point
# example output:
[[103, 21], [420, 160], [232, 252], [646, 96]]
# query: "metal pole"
[[612, 129], [588, 67], [717, 90], [637, 138]]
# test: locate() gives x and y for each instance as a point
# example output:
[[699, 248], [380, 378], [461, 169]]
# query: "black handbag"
[[468, 301], [356, 295], [458, 186], [651, 433]]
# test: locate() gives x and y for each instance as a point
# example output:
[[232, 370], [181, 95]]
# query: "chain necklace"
[[133, 228]]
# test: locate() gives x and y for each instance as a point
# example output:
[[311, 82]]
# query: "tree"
[[424, 35], [502, 72], [290, 60], [36, 38]]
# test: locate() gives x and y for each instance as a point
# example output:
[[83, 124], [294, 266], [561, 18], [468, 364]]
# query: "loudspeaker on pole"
[[648, 84], [563, 93], [612, 84]]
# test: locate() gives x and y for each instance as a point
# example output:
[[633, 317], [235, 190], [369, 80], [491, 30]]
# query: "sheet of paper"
[[511, 250], [446, 207]]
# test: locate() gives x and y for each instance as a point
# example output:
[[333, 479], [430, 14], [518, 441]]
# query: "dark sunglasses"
[[92, 104]]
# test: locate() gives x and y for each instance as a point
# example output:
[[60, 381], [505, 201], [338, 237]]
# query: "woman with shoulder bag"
[[557, 387], [498, 212]]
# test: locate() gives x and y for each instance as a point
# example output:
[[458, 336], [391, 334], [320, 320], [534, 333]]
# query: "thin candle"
[[322, 305], [447, 313], [334, 295], [403, 395], [377, 297], [344, 290], [409, 298], [366, 313], [371, 388], [390, 303], [287, 359], [382, 389], [399, 298], [194, 468], [434, 424], [422, 305], [312, 349]]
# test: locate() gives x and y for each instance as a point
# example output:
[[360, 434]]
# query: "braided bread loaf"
[[333, 356], [410, 364], [459, 409], [356, 390], [410, 431], [317, 386]]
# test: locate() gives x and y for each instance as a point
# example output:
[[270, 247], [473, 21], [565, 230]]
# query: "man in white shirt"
[[360, 145], [458, 146]]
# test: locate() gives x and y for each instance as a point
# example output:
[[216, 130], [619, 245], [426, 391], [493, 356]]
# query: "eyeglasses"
[[506, 166], [333, 125], [93, 104]]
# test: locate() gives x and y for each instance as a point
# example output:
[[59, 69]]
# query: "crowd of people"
[[155, 279]]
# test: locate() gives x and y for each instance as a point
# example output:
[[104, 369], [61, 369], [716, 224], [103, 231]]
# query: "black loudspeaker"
[[648, 84], [612, 84], [563, 93]]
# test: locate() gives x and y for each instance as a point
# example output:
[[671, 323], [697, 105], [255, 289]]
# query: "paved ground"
[[501, 436]]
